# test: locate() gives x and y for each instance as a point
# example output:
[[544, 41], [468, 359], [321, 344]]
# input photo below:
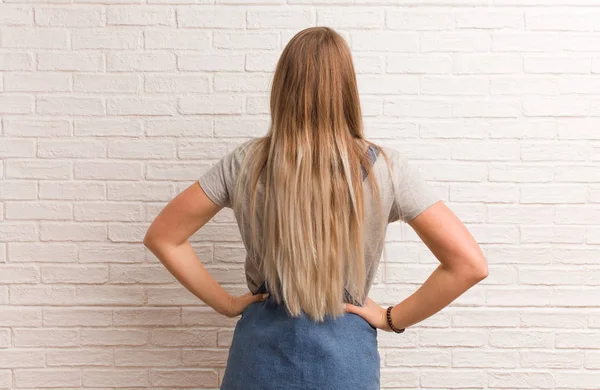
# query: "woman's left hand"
[[239, 303]]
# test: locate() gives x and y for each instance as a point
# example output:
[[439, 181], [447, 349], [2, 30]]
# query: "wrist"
[[384, 323], [229, 308], [390, 322]]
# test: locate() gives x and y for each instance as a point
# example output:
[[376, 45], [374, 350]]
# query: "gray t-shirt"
[[413, 195]]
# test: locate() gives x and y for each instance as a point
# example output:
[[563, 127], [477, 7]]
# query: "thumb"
[[260, 297], [353, 308]]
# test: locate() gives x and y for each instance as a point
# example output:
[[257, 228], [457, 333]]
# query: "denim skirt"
[[271, 350]]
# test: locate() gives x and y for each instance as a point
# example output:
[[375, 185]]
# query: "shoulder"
[[398, 159], [239, 151]]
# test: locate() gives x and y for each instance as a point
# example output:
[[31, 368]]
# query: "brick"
[[231, 40], [143, 61], [521, 214], [146, 317], [106, 337], [18, 189], [282, 18], [455, 41], [484, 19], [72, 231], [556, 106], [407, 19], [242, 83], [228, 126], [45, 337], [107, 170], [362, 64], [465, 85], [199, 126], [16, 104], [520, 174], [38, 169], [452, 380], [16, 16], [37, 82], [105, 83], [17, 148], [106, 38], [351, 18], [142, 16], [69, 17], [183, 377], [553, 193], [148, 358], [388, 84], [38, 211], [176, 39], [106, 212], [211, 17], [162, 192], [131, 232], [521, 339], [132, 274], [385, 41], [15, 61], [521, 379], [65, 61], [550, 151], [108, 127], [79, 357], [557, 65], [174, 84], [26, 38], [426, 64], [151, 150], [486, 151], [487, 64], [70, 106], [140, 106], [211, 104], [563, 20], [213, 62], [487, 109], [417, 108], [42, 252], [115, 378], [524, 85]]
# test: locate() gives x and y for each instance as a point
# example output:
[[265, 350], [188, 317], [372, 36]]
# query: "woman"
[[312, 200]]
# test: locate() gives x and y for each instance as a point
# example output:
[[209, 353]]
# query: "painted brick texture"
[[109, 108]]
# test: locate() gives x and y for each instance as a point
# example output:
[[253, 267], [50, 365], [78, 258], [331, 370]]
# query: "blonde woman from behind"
[[312, 200]]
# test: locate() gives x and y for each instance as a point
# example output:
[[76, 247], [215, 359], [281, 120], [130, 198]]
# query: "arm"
[[168, 238], [462, 265]]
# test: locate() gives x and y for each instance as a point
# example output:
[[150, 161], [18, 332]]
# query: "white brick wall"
[[109, 108]]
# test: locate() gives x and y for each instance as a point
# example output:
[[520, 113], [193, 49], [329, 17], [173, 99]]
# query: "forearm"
[[441, 288], [183, 263]]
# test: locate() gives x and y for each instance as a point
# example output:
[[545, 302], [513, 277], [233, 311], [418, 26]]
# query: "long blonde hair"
[[308, 237]]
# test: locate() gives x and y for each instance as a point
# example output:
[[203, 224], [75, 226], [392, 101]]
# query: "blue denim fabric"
[[272, 351]]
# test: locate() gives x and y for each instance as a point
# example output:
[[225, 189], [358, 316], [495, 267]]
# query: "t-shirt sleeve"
[[413, 194], [217, 181]]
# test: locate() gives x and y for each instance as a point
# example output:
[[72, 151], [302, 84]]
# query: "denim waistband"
[[347, 296]]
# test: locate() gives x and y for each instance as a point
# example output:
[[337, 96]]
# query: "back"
[[404, 195]]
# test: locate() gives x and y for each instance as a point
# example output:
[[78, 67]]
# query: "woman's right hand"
[[372, 313]]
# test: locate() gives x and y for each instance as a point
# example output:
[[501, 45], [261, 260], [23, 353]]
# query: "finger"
[[260, 297], [352, 308]]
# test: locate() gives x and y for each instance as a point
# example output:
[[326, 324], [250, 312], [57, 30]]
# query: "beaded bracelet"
[[389, 320]]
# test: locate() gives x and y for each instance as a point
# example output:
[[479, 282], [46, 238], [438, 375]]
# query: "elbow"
[[149, 240], [478, 270], [472, 271]]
